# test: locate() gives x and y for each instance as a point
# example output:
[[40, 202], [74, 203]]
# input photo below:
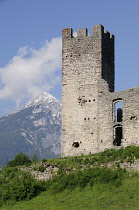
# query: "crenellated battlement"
[[97, 32], [67, 33], [82, 32], [108, 35]]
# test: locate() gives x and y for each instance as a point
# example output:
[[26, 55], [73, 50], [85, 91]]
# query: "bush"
[[86, 161], [60, 172], [88, 176], [41, 168], [44, 160], [18, 185]]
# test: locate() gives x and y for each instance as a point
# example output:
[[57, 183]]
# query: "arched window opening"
[[118, 111], [118, 135]]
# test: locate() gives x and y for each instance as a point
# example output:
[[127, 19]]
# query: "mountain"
[[34, 129]]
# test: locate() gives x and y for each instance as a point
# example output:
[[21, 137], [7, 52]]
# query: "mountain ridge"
[[34, 128]]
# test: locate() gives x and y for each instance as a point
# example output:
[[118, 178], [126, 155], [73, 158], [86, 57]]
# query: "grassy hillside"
[[99, 197], [83, 182]]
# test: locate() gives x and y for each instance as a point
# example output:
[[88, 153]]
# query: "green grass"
[[80, 184], [100, 196]]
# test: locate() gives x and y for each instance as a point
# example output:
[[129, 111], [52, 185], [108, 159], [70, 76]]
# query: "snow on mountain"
[[33, 129]]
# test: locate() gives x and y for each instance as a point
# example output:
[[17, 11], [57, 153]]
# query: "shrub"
[[86, 161], [41, 168], [44, 160], [19, 185], [60, 172], [88, 176]]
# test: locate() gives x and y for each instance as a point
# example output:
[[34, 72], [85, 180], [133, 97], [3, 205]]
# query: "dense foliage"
[[90, 176], [16, 185]]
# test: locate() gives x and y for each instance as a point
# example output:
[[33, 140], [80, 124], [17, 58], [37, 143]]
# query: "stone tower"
[[87, 75]]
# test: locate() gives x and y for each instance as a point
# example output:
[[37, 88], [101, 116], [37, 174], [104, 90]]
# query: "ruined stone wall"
[[84, 64], [130, 122], [107, 122]]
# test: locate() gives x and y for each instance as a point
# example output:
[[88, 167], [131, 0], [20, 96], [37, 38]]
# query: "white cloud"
[[31, 72]]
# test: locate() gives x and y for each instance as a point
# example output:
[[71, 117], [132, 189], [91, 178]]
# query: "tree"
[[19, 160], [34, 158]]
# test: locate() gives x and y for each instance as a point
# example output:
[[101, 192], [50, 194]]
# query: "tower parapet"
[[67, 33], [97, 32]]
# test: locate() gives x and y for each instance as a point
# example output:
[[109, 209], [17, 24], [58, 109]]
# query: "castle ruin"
[[94, 117]]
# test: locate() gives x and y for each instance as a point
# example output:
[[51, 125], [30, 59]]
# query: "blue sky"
[[30, 43]]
